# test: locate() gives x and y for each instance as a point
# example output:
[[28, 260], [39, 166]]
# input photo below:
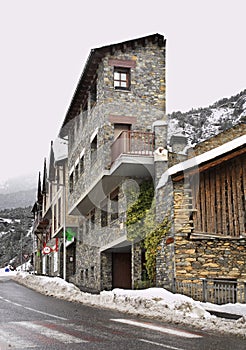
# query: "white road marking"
[[159, 344], [30, 309], [162, 329], [8, 340], [50, 333]]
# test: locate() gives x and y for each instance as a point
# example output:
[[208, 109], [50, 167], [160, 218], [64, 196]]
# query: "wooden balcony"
[[133, 143]]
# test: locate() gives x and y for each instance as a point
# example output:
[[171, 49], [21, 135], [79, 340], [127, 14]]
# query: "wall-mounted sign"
[[46, 250]]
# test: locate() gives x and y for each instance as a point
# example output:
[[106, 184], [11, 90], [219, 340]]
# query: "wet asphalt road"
[[29, 320]]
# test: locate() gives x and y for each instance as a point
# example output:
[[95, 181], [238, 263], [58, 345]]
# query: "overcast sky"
[[45, 43]]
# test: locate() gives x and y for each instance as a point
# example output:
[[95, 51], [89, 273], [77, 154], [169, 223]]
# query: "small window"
[[59, 212], [81, 165], [93, 218], [76, 172], [82, 275], [87, 224], [71, 179], [122, 78], [104, 214], [114, 197], [55, 218], [94, 149]]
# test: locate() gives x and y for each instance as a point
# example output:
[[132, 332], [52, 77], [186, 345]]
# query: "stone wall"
[[210, 258], [106, 271], [87, 275]]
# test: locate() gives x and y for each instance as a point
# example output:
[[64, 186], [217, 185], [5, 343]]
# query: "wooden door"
[[122, 270]]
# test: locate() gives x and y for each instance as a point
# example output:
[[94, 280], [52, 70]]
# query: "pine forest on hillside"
[[16, 240]]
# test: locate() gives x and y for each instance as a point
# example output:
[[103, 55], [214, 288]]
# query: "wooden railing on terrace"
[[133, 142]]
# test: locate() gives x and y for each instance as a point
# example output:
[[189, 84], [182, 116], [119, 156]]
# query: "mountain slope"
[[17, 199], [203, 123], [15, 235]]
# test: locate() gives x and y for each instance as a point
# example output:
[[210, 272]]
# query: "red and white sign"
[[46, 250]]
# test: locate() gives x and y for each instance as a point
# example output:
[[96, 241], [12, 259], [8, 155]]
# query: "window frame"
[[114, 200], [120, 80], [93, 146]]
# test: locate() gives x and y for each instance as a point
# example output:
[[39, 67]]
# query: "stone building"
[[205, 201], [115, 122], [50, 217]]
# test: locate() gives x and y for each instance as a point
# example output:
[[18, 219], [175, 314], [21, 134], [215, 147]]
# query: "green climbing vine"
[[141, 226], [151, 244], [137, 211]]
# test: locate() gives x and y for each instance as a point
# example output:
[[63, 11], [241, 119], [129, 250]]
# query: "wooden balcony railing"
[[133, 142]]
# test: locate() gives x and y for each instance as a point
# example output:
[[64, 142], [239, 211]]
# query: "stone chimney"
[[178, 142]]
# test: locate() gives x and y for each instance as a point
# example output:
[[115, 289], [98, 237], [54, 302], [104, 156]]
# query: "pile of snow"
[[153, 302], [6, 272]]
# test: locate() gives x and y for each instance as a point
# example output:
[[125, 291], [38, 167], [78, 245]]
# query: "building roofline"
[[89, 72]]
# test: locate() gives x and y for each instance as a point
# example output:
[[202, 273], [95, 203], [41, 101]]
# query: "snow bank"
[[153, 303]]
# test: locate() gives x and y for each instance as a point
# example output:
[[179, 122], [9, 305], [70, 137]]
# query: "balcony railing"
[[133, 143]]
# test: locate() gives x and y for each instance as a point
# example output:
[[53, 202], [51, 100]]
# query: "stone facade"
[[93, 122], [145, 102]]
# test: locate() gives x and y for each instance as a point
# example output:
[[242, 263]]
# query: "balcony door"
[[122, 137], [118, 128]]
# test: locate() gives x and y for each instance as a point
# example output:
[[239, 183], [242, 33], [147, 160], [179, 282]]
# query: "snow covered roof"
[[202, 158]]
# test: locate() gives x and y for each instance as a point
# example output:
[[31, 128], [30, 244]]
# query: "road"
[[29, 320]]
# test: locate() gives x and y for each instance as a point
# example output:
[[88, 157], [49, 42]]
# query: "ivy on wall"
[[141, 226], [137, 211], [151, 244]]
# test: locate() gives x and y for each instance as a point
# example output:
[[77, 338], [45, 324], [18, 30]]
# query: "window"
[[114, 197], [92, 217], [55, 218], [121, 78], [94, 149], [87, 223], [76, 172], [59, 212], [104, 213], [71, 178], [81, 164]]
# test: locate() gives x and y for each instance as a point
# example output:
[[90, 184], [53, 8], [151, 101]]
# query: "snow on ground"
[[6, 274], [153, 303]]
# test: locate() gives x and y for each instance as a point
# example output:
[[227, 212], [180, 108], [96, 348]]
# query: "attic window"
[[121, 78]]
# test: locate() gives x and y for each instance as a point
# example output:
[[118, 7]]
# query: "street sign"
[[46, 250]]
